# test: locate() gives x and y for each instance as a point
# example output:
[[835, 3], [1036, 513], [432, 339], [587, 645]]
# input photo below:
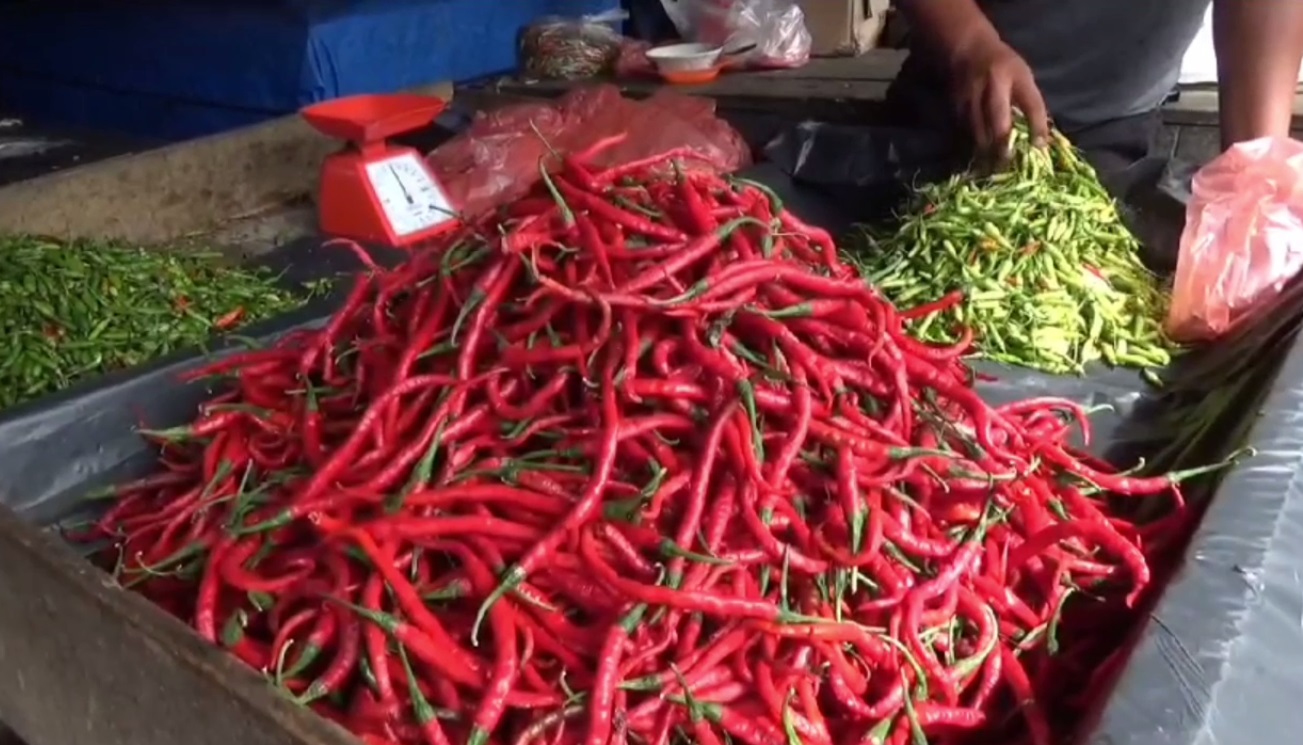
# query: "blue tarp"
[[181, 68]]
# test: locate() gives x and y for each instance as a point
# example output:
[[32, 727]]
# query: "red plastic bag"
[[496, 160], [1243, 237], [633, 60]]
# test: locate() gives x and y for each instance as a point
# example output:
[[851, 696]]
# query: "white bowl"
[[684, 57]]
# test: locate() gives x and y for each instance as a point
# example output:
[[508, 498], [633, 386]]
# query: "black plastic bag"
[[864, 171]]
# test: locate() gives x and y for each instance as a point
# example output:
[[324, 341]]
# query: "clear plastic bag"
[[776, 27], [26, 147], [556, 48], [496, 160], [1243, 237]]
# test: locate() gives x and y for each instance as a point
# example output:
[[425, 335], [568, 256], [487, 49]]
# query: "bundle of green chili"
[[1035, 261], [82, 308], [604, 474]]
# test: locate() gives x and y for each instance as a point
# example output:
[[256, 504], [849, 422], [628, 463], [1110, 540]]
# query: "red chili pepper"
[[607, 679], [589, 502], [609, 212], [343, 664], [1099, 533], [1016, 676], [613, 174], [933, 308], [589, 154], [728, 494], [691, 253]]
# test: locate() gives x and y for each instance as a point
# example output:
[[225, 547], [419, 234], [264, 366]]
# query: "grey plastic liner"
[[1221, 658], [1200, 667]]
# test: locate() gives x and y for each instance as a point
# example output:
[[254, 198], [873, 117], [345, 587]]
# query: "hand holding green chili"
[[1051, 276]]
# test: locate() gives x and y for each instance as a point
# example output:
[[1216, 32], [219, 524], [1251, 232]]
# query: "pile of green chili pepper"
[[78, 309], [1034, 261]]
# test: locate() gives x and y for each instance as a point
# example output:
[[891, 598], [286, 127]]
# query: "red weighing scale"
[[373, 190]]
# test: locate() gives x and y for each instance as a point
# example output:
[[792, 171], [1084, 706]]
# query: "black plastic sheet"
[[867, 172], [1213, 663]]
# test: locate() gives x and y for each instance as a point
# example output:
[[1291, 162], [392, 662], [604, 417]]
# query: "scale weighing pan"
[[373, 190], [373, 117]]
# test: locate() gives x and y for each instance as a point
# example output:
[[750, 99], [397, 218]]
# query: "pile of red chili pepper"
[[639, 460]]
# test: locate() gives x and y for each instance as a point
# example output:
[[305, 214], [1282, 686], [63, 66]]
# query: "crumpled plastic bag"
[[776, 27], [1243, 237], [556, 48], [496, 160]]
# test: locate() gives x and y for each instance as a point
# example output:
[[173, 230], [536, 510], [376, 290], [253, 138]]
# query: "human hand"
[[989, 80]]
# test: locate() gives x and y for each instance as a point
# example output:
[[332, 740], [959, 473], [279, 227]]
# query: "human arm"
[[1259, 48], [987, 77]]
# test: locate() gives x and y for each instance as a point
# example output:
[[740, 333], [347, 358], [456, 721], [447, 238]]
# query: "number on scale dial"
[[410, 198]]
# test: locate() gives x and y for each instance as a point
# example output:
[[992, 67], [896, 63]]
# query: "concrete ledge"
[[176, 190]]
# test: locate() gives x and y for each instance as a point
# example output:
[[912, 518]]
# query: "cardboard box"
[[844, 27]]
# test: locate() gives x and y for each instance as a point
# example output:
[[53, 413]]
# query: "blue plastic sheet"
[[176, 70]]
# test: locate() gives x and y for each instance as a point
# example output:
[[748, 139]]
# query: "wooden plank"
[[1166, 142], [88, 664], [156, 196], [70, 147], [175, 190], [878, 64], [824, 85], [855, 79], [734, 87], [820, 100], [1200, 105], [1198, 144]]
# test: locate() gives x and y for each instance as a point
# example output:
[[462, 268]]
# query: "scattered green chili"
[[73, 310]]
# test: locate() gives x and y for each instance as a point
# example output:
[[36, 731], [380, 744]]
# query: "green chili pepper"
[[83, 308], [1051, 276]]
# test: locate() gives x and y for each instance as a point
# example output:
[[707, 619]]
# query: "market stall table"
[[97, 665], [242, 193]]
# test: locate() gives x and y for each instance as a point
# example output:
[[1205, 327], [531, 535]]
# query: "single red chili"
[[589, 502], [605, 684], [1099, 533]]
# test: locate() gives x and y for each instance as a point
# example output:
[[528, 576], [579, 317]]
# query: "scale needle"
[[399, 181]]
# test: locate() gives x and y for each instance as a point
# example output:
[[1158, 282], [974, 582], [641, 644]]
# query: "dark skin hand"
[[1259, 49], [988, 78]]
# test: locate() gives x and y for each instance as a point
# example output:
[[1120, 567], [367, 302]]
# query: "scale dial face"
[[411, 199]]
